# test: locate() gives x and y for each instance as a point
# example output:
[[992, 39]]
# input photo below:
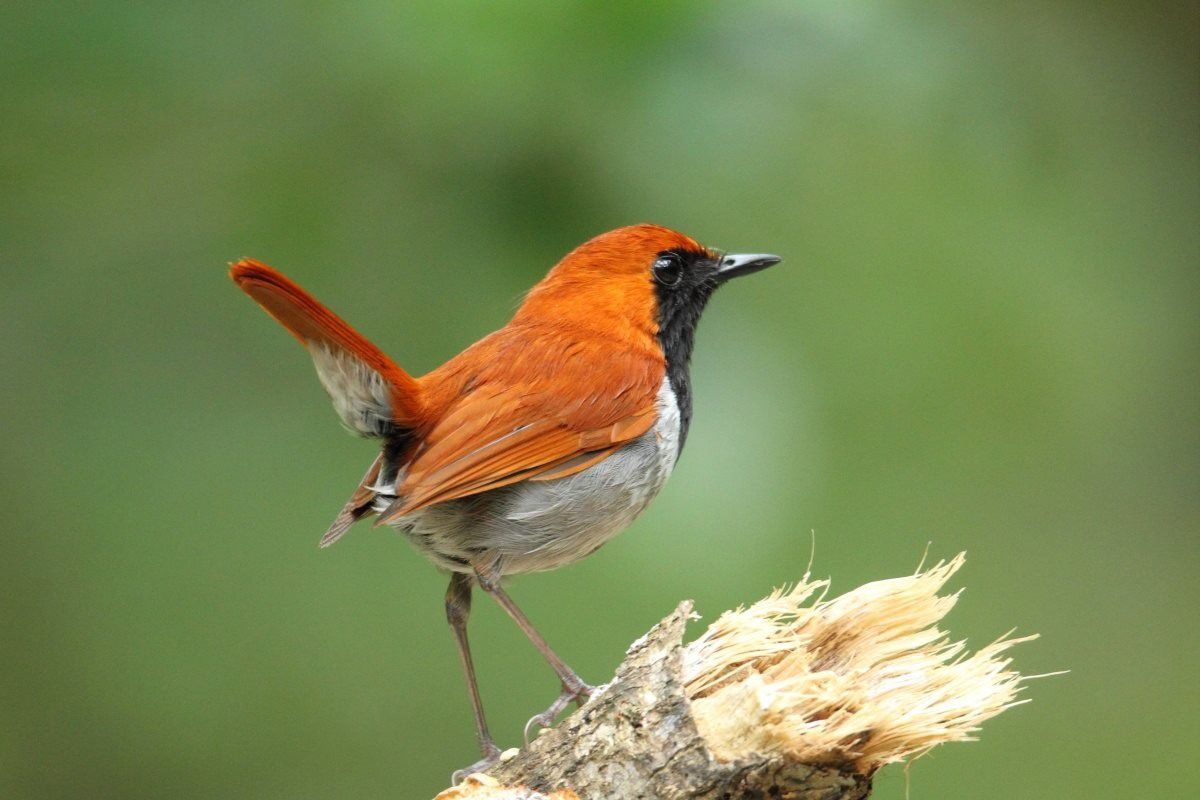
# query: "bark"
[[636, 738]]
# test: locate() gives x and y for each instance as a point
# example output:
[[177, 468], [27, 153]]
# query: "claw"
[[577, 694]]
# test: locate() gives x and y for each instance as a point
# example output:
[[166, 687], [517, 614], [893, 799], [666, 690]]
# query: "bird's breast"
[[540, 525]]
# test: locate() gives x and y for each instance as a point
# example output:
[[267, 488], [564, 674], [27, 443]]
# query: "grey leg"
[[458, 609], [574, 689]]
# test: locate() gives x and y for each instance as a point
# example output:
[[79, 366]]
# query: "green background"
[[984, 335]]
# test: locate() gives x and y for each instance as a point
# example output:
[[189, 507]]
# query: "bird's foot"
[[575, 692], [491, 754]]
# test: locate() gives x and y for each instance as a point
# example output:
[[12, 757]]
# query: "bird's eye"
[[668, 269]]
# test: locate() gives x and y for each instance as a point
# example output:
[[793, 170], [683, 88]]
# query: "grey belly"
[[540, 525]]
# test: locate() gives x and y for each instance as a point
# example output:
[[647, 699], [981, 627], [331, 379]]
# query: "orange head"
[[637, 281]]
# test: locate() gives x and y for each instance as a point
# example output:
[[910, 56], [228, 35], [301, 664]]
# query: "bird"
[[539, 443]]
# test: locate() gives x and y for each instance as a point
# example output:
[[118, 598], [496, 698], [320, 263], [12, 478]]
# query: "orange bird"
[[538, 443]]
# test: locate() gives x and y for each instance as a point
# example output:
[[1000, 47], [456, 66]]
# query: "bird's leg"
[[574, 689], [458, 609]]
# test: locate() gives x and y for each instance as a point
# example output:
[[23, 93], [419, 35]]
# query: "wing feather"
[[555, 406], [358, 504]]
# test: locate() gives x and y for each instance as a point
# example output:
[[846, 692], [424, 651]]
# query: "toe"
[[491, 754]]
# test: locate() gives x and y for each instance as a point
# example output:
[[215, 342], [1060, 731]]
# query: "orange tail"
[[371, 394]]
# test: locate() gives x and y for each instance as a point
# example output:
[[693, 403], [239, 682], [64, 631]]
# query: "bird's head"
[[636, 280]]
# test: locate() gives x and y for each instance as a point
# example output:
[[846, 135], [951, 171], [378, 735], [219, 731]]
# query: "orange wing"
[[368, 388], [531, 403]]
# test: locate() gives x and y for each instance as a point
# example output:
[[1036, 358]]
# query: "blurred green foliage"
[[985, 335]]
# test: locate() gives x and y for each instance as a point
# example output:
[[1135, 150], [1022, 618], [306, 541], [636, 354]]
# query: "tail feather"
[[371, 393], [357, 507]]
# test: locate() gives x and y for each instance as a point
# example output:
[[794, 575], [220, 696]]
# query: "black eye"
[[668, 269]]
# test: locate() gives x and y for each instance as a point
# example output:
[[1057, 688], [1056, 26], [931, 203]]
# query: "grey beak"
[[737, 264]]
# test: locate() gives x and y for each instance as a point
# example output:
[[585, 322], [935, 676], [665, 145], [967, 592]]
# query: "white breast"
[[666, 428]]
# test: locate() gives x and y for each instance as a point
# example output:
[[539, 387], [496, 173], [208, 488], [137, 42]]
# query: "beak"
[[738, 264]]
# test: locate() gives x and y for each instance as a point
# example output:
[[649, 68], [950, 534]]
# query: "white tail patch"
[[361, 397]]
